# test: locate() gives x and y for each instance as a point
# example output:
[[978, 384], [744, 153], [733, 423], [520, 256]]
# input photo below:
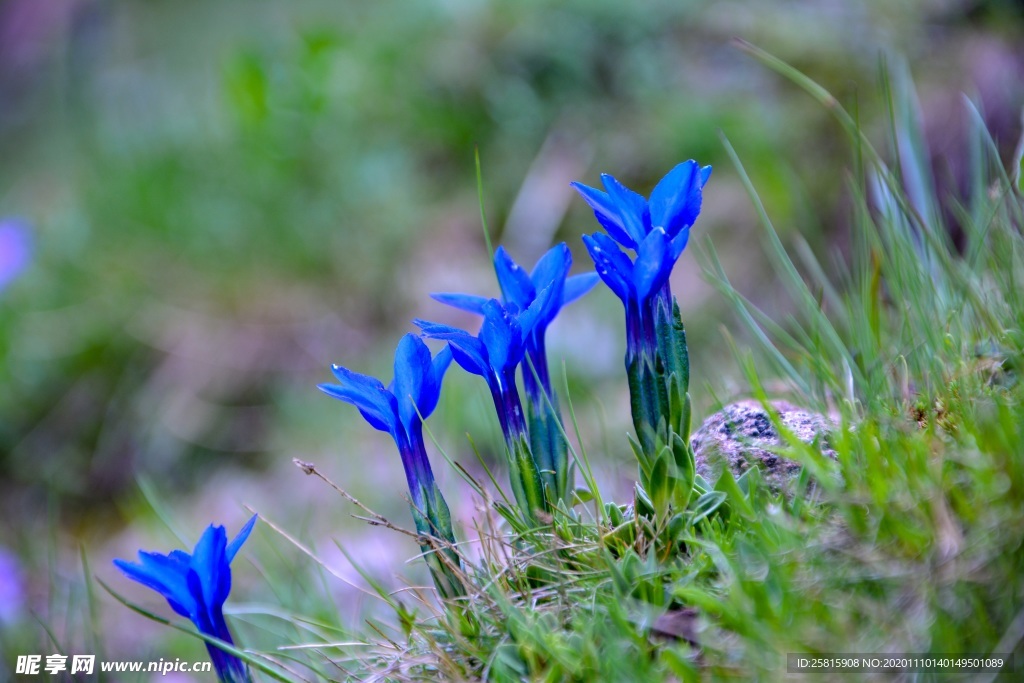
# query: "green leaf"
[[736, 498], [677, 526], [705, 505], [681, 350], [632, 566], [582, 496], [661, 485], [529, 478], [685, 472], [643, 505], [614, 513], [749, 480], [642, 460], [684, 421]]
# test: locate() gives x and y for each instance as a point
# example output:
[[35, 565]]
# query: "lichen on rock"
[[742, 435]]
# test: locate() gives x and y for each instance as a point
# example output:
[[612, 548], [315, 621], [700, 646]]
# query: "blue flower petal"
[[209, 562], [676, 199], [204, 619], [609, 267], [165, 575], [549, 274], [607, 213], [471, 358], [468, 351], [578, 285], [428, 401], [239, 539], [622, 262], [441, 362], [378, 419], [679, 243], [553, 266], [633, 211], [502, 336], [705, 174], [376, 404], [414, 377], [542, 311], [653, 263], [465, 302], [516, 285], [433, 330]]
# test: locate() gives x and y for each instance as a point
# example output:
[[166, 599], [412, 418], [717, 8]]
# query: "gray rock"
[[741, 432]]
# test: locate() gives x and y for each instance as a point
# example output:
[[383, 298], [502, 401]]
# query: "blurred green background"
[[227, 197]]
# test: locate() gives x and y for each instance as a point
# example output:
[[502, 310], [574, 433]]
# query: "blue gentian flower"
[[657, 230], [495, 354], [520, 290], [196, 587], [399, 410], [15, 249], [637, 283], [628, 217]]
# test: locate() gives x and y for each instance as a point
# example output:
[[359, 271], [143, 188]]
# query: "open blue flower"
[[657, 230], [399, 409], [638, 283], [495, 354], [520, 289], [629, 218], [196, 587]]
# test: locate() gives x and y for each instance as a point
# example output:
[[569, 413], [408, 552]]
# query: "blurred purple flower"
[[12, 587], [15, 249]]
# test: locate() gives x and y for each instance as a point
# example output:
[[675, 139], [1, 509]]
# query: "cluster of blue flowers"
[[510, 342], [512, 332]]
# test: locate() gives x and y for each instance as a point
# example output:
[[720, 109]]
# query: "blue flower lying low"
[[400, 410], [196, 587], [522, 290]]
